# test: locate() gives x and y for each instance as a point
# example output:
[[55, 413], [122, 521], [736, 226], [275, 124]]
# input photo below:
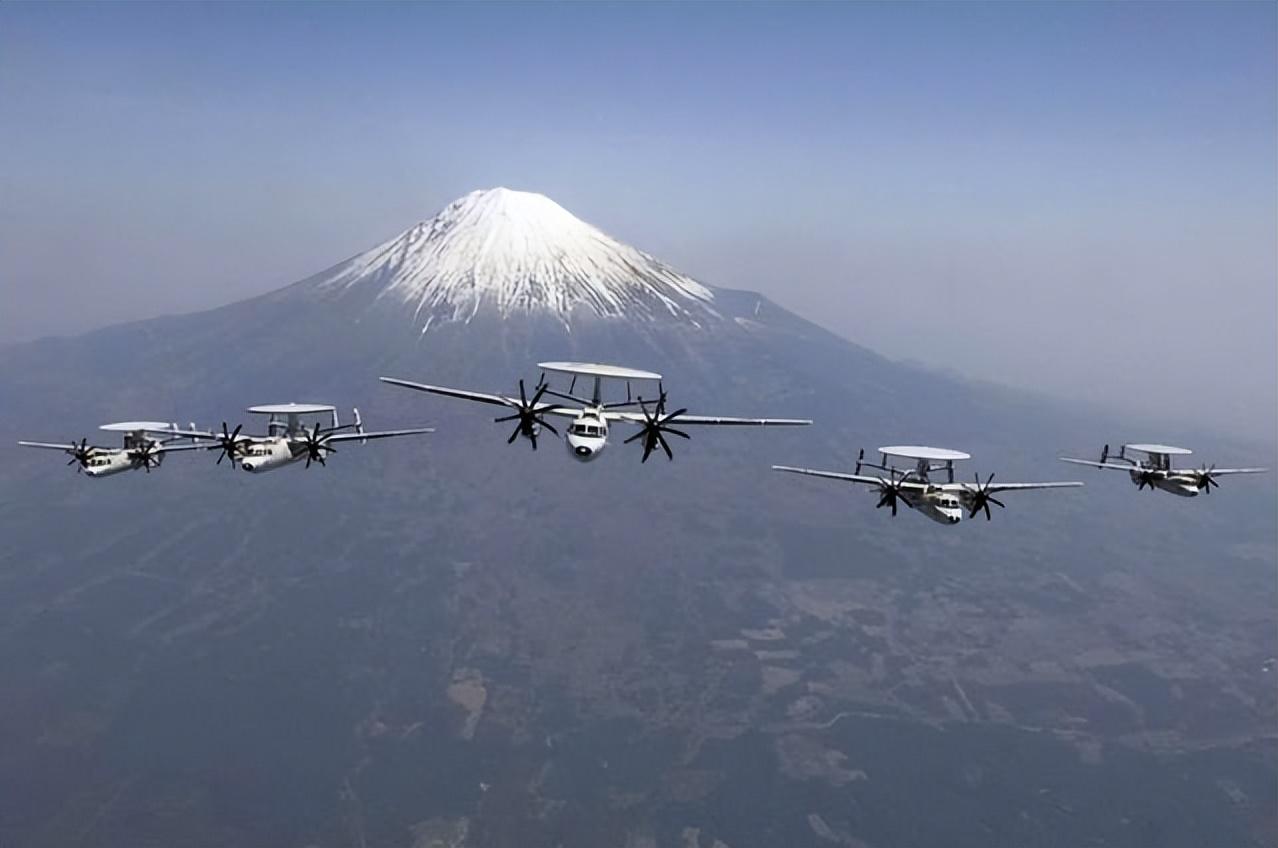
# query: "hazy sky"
[[1081, 198]]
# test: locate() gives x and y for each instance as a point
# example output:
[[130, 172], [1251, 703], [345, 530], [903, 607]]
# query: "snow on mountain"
[[516, 252]]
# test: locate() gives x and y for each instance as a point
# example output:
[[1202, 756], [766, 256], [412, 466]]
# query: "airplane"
[[140, 451], [587, 434], [1156, 471], [944, 503], [287, 440]]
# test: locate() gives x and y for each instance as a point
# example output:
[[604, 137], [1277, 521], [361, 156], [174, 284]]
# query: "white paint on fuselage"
[[587, 435], [106, 463], [1184, 486], [269, 454], [940, 506]]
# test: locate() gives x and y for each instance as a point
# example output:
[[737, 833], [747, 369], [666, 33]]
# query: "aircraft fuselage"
[[271, 453], [105, 463], [1182, 485], [941, 506], [587, 435]]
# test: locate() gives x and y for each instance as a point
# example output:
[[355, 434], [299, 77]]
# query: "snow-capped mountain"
[[510, 252]]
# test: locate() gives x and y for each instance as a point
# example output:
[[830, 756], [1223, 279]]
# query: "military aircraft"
[[287, 439], [943, 502], [1156, 471], [141, 449], [587, 433]]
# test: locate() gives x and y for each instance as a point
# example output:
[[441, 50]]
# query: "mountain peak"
[[510, 252], [516, 206]]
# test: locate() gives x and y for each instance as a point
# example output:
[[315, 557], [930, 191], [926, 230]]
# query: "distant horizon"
[[1033, 196]]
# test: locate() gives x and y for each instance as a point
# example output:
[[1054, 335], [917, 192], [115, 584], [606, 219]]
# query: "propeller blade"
[[655, 427]]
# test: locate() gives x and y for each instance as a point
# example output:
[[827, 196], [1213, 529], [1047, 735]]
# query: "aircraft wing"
[[848, 478], [187, 434], [638, 418], [481, 397], [1217, 472], [171, 448], [52, 446], [383, 434], [556, 409], [1114, 465], [994, 488]]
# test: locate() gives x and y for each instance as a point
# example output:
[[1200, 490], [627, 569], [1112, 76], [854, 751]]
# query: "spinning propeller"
[[316, 445], [1205, 480], [981, 497], [890, 491], [1148, 478], [147, 456], [528, 415], [81, 453], [655, 425], [230, 444]]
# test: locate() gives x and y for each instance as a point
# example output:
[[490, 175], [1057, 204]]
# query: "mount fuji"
[[513, 253], [459, 642]]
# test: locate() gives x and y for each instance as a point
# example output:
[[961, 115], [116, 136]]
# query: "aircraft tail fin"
[[359, 424]]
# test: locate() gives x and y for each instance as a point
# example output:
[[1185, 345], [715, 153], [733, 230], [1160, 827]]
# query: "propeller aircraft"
[[586, 435], [944, 502], [287, 439], [141, 450], [1156, 471]]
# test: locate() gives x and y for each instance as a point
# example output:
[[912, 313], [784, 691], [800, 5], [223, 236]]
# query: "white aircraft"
[[141, 449], [587, 434], [287, 440], [942, 502], [1156, 471]]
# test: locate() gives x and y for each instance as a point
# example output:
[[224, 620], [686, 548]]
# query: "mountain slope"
[[511, 253]]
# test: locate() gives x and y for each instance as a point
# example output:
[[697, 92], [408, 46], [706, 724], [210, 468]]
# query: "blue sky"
[[1027, 192]]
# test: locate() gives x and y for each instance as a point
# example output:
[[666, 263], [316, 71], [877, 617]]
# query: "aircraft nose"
[[582, 450]]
